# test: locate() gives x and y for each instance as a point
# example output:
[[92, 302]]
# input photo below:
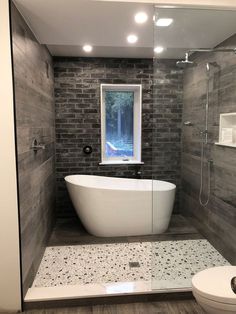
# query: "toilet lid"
[[215, 284]]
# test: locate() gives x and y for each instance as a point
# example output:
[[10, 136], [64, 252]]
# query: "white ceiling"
[[66, 25]]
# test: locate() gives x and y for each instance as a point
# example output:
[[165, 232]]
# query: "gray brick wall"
[[77, 96]]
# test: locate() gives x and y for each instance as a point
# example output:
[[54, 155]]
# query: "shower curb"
[[118, 299]]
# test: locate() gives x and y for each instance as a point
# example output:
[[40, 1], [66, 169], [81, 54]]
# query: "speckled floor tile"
[[167, 263], [174, 263]]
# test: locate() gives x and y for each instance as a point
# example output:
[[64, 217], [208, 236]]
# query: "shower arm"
[[212, 50]]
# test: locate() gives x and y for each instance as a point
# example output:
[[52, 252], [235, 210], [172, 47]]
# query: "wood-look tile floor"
[[70, 231], [167, 307]]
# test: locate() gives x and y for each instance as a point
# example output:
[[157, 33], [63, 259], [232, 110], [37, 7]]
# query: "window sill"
[[119, 162]]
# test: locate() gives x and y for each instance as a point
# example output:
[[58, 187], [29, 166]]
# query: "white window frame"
[[137, 89]]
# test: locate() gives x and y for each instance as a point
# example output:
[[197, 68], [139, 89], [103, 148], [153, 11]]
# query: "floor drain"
[[134, 264]]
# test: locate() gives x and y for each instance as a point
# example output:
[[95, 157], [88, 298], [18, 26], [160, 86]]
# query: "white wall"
[[10, 294]]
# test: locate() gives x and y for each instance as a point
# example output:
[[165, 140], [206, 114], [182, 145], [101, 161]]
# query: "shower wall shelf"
[[227, 131]]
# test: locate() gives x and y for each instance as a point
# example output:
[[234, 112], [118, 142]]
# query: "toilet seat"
[[215, 284]]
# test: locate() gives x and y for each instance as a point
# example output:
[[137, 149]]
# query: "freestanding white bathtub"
[[111, 207]]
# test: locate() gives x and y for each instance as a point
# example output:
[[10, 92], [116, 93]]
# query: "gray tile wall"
[[77, 96], [34, 101], [217, 221]]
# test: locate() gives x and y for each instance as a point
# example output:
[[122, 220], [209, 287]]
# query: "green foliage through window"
[[119, 123]]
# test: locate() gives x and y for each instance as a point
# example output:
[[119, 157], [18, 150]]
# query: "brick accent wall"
[[167, 123], [77, 97]]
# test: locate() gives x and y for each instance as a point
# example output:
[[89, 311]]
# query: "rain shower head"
[[185, 63]]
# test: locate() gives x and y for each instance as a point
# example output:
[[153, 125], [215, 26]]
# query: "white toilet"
[[212, 290]]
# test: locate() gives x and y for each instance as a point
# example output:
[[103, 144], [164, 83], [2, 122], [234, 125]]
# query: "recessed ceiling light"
[[87, 48], [132, 39], [164, 22], [141, 17], [158, 49]]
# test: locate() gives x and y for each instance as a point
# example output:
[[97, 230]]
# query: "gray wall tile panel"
[[35, 115], [218, 220]]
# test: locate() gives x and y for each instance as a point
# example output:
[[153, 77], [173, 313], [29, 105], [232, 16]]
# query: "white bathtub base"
[[114, 207]]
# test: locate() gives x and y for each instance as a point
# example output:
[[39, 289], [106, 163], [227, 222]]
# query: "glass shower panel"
[[193, 84]]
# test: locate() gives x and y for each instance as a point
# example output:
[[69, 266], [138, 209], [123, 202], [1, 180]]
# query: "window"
[[121, 123]]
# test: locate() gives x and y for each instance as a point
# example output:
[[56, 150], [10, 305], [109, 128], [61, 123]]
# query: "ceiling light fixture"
[[141, 17], [87, 48], [164, 22], [132, 39], [158, 49]]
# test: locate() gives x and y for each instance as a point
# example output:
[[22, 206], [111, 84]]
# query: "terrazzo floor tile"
[[174, 263], [167, 263]]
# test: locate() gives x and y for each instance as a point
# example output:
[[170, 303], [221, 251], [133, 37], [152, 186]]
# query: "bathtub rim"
[[168, 185]]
